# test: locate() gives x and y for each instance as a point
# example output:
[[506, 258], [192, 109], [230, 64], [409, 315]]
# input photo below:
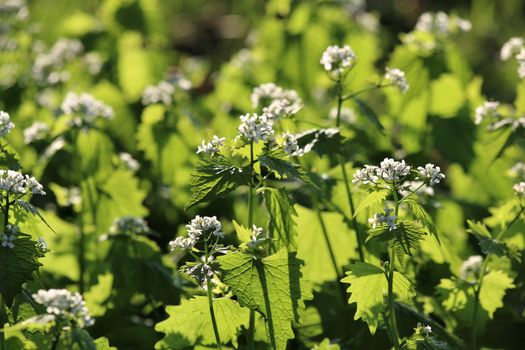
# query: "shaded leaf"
[[281, 213], [366, 111]]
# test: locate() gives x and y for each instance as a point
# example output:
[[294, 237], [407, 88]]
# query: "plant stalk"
[[3, 322], [212, 313], [251, 195], [391, 301], [360, 249]]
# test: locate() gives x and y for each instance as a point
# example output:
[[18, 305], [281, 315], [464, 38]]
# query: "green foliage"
[[281, 213], [491, 245], [405, 237], [271, 286], [274, 161], [190, 324], [215, 178], [368, 289], [18, 265], [372, 198]]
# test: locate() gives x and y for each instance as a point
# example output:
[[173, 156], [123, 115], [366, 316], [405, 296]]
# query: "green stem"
[[56, 341], [359, 92], [360, 249], [391, 301], [3, 322], [251, 197], [329, 245], [477, 290], [210, 303]]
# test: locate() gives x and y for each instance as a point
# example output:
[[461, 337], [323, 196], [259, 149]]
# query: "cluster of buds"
[[489, 111], [276, 101]]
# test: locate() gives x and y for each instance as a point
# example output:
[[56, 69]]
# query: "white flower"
[[256, 238], [183, 243], [93, 61], [442, 24], [337, 60], [418, 186], [431, 173], [42, 244], [85, 109], [392, 170], [16, 183], [204, 226], [129, 225], [489, 109], [518, 171], [212, 146], [471, 268], [520, 58], [366, 175], [290, 145], [256, 128], [519, 189], [277, 102], [384, 218], [397, 78], [7, 241], [49, 67], [130, 162], [512, 47], [37, 131], [5, 124], [65, 305], [160, 93]]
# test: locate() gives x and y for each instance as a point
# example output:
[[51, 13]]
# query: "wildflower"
[[416, 186], [16, 183], [5, 124], [204, 226], [385, 218], [489, 109], [212, 146], [255, 128], [266, 91], [184, 243], [431, 174], [130, 162], [64, 305], [441, 24], [520, 58], [160, 93], [207, 267], [42, 244], [256, 238], [337, 60], [397, 78], [471, 268], [283, 107], [37, 131], [366, 175], [392, 170], [85, 109], [277, 102], [290, 145], [518, 171], [9, 236], [49, 67], [512, 47], [93, 62], [519, 189], [130, 225]]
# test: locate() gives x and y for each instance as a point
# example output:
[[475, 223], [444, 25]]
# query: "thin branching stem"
[[391, 268], [251, 195], [209, 291], [3, 310]]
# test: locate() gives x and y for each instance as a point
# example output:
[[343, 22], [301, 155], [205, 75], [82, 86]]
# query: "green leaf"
[[190, 323], [215, 178], [326, 345], [447, 96], [372, 198], [29, 208], [243, 234], [17, 265], [284, 168], [281, 212], [271, 286], [406, 237], [491, 245], [493, 289], [322, 141], [366, 111], [422, 216], [369, 288], [103, 344]]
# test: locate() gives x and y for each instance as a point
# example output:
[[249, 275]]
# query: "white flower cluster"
[[160, 93], [49, 66], [290, 145], [519, 189], [5, 124], [277, 102], [515, 47], [93, 62], [16, 183], [255, 128], [471, 268], [200, 227], [8, 237], [442, 24], [431, 174], [393, 171], [418, 187], [37, 131], [397, 78], [518, 171], [14, 8], [130, 225], [130, 162], [211, 147], [384, 218], [337, 60], [257, 238], [489, 109], [64, 305], [200, 271], [85, 109]]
